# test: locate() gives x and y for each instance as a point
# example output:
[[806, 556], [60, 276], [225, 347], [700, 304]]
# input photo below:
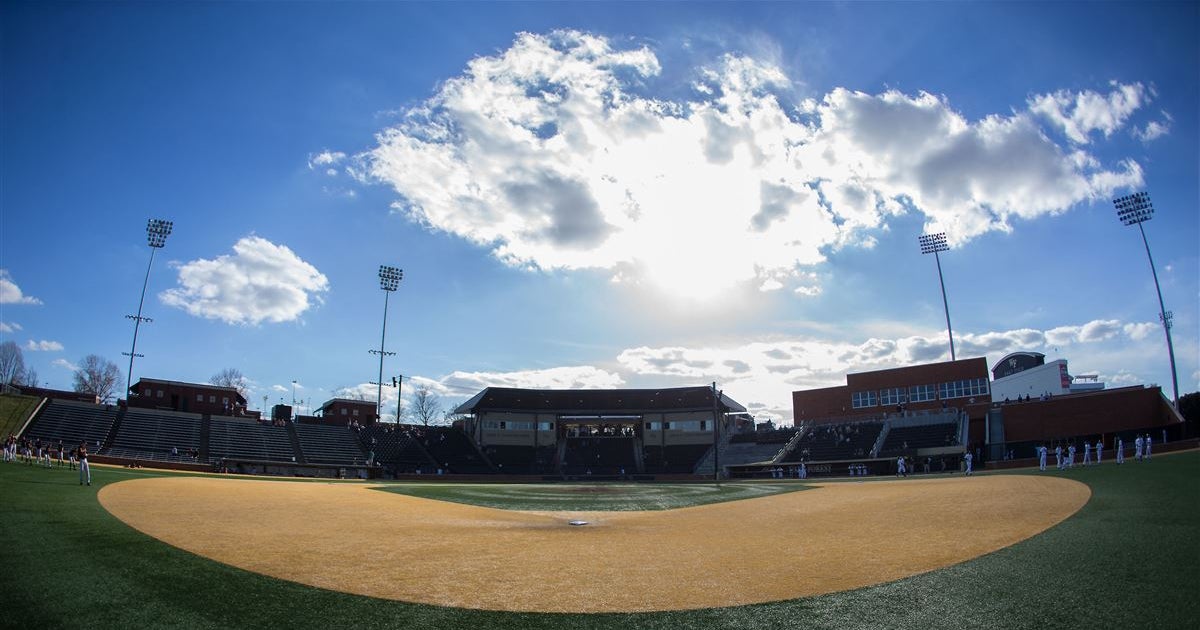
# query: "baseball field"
[[1102, 546]]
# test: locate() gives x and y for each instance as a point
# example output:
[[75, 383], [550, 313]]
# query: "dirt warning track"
[[838, 536]]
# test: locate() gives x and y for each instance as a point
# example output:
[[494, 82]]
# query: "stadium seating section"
[[834, 442], [73, 423], [238, 438], [153, 435], [925, 436], [599, 456], [454, 451], [680, 459], [329, 444]]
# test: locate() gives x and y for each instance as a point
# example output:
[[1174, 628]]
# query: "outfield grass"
[[1129, 558], [615, 497]]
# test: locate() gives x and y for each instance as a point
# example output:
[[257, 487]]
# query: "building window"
[[545, 426], [160, 393], [212, 398], [860, 400], [225, 400], [491, 424], [356, 412], [199, 397], [922, 393], [891, 396], [343, 411], [964, 388]]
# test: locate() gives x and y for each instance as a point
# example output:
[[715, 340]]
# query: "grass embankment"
[[1130, 558], [13, 412]]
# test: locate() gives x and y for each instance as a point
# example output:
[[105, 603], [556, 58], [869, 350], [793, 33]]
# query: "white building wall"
[[1050, 378]]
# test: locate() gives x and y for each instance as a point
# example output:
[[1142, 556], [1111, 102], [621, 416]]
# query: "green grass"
[[13, 411], [1129, 558], [617, 497]]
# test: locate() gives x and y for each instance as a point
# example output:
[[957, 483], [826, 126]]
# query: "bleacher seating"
[[396, 448], [522, 460], [452, 449], [148, 434], [599, 456], [749, 453], [73, 423], [679, 459], [835, 442], [247, 439], [329, 444], [900, 439]]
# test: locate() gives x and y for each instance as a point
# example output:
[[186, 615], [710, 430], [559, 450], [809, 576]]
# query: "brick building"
[[150, 393]]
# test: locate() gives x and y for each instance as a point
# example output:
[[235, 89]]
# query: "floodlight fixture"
[[1137, 209], [389, 280], [390, 277], [932, 244], [157, 231]]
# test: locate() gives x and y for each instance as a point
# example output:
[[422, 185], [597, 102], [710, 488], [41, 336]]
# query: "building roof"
[[134, 388], [348, 401], [596, 400]]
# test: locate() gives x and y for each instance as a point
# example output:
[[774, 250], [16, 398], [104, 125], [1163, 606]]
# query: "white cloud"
[[9, 327], [10, 293], [260, 282], [551, 154], [1154, 129], [65, 364], [324, 160], [1141, 330], [1078, 114], [768, 371], [280, 388], [43, 346], [576, 377]]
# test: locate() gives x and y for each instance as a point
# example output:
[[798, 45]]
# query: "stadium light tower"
[[1136, 208], [157, 231], [389, 280], [932, 244]]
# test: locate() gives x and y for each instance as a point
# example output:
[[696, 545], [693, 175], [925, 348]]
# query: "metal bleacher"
[[329, 444], [246, 439], [73, 423], [149, 434]]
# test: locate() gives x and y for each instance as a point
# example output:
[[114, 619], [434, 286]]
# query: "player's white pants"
[[85, 473]]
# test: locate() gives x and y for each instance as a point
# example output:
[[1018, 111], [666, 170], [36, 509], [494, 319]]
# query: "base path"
[[350, 538]]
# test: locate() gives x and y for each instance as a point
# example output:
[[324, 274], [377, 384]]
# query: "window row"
[[919, 393]]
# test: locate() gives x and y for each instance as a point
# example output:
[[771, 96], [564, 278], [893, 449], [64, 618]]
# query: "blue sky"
[[594, 194]]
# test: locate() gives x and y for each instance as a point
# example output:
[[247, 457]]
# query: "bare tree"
[[97, 375], [12, 363], [425, 407], [232, 378], [30, 378]]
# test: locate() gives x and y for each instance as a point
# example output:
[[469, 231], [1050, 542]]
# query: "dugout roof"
[[597, 401]]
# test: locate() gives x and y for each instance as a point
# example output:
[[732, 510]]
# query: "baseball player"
[[1071, 455], [1146, 448], [1087, 453], [1041, 451], [969, 458], [803, 471], [1058, 462], [1120, 451], [85, 473], [1099, 449], [1137, 448]]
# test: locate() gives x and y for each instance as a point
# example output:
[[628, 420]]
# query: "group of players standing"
[[34, 451], [1065, 458]]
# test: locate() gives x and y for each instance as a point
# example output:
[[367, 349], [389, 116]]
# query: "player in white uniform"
[[1058, 462], [1041, 451], [1099, 449], [1137, 448], [85, 473], [901, 471], [1071, 456], [1120, 451], [1146, 448], [1087, 453], [803, 471], [969, 458]]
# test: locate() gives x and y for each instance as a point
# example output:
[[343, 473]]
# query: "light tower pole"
[[389, 280], [1136, 208], [157, 231], [932, 244]]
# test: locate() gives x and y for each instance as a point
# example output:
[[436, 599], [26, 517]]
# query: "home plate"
[[578, 523]]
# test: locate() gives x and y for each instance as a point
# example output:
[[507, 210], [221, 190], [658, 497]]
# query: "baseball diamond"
[[350, 538]]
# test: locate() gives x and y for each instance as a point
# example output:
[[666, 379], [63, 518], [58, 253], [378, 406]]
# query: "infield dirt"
[[836, 536]]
